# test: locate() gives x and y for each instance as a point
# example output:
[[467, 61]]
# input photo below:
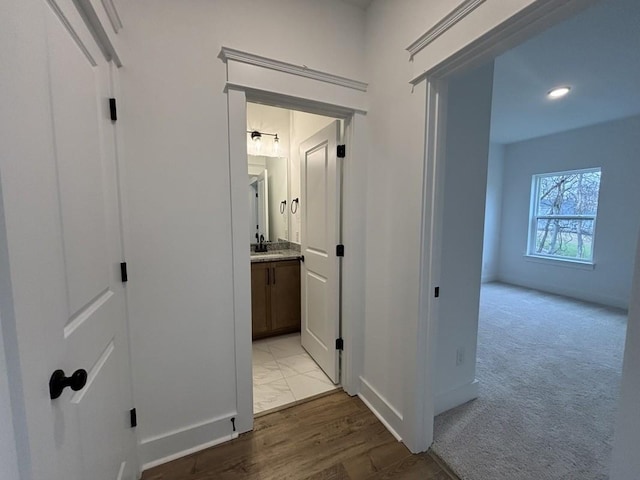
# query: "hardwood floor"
[[331, 438]]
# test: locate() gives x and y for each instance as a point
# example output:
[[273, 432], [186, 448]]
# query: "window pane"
[[565, 238], [568, 194]]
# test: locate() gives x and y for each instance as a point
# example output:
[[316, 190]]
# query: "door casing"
[[237, 99], [419, 394]]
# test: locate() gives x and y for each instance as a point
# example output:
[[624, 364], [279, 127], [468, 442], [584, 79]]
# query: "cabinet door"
[[260, 301], [285, 296]]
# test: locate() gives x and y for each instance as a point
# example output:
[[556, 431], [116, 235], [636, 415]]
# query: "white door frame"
[[419, 404], [271, 82]]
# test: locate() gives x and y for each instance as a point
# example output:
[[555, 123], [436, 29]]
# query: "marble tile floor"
[[284, 373]]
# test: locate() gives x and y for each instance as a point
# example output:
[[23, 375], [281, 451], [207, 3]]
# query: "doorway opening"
[[294, 213], [550, 361]]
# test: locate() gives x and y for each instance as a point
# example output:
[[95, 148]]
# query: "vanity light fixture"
[[558, 92], [257, 140], [257, 136]]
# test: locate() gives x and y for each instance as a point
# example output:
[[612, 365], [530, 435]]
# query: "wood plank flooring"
[[335, 437]]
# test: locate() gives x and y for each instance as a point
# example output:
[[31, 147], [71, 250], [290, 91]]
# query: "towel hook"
[[294, 201]]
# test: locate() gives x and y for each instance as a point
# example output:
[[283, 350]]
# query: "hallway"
[[333, 437]]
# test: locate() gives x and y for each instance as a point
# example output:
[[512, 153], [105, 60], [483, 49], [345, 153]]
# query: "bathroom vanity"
[[275, 293], [275, 262]]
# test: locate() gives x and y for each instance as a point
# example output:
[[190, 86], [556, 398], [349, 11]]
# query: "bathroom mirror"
[[268, 199]]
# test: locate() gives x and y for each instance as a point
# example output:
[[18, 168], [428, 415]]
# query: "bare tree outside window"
[[564, 214]]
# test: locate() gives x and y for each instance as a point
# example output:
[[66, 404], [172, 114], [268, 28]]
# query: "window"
[[563, 214]]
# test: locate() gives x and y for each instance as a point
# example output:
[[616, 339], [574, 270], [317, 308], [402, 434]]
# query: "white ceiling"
[[596, 52], [360, 3]]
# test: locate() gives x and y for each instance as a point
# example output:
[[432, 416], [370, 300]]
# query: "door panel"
[[316, 163], [317, 308], [100, 420], [78, 154], [320, 209]]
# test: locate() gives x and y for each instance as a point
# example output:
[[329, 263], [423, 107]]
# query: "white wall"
[[625, 459], [614, 147], [393, 203], [467, 151], [175, 109], [493, 214], [303, 126]]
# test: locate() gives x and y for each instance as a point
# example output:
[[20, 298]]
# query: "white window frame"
[[534, 217]]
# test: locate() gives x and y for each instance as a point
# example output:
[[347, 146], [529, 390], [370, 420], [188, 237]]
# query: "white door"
[[64, 247], [320, 282]]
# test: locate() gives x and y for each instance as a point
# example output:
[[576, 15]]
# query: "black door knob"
[[59, 382]]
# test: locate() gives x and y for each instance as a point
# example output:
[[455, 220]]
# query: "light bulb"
[[276, 145], [558, 92]]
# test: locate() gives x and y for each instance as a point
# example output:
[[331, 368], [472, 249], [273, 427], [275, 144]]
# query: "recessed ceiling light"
[[558, 92]]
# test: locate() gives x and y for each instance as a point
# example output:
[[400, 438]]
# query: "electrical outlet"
[[459, 356]]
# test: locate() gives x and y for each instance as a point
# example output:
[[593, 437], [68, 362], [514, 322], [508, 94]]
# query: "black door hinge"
[[123, 272], [302, 258], [133, 416], [340, 250], [436, 292], [342, 151], [233, 423], [113, 109], [339, 344]]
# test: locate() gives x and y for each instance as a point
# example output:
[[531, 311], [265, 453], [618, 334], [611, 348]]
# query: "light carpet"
[[549, 369]]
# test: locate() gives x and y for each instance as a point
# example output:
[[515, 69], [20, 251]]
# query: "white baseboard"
[[161, 449], [593, 296], [489, 277], [381, 408], [457, 396]]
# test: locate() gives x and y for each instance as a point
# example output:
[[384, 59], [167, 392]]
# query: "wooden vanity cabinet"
[[275, 298]]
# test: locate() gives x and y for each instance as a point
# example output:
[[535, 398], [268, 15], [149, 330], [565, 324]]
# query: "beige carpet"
[[549, 370]]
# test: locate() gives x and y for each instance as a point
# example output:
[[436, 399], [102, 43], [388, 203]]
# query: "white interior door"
[[68, 298], [320, 209]]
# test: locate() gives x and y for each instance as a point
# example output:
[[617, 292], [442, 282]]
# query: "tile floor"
[[283, 373]]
